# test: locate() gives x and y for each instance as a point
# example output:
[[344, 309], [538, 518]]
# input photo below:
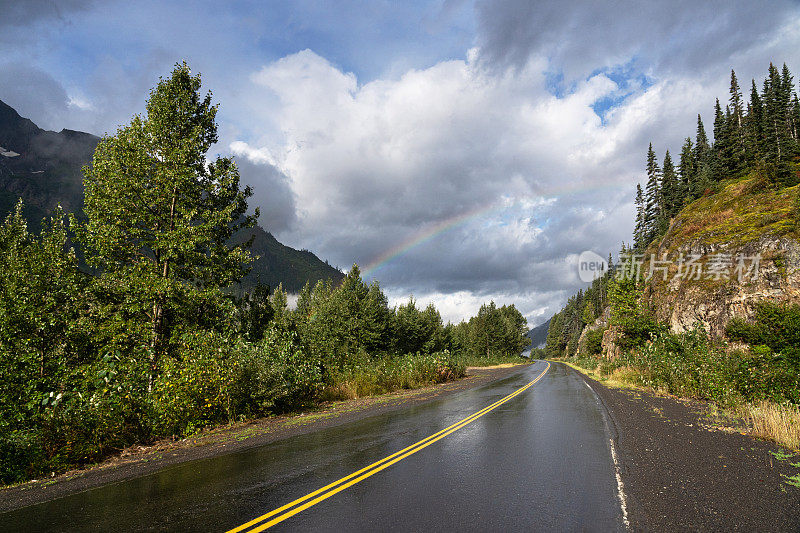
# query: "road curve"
[[538, 459]]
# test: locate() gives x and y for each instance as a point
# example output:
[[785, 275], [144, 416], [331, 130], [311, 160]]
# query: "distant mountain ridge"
[[538, 335], [44, 169], [41, 167]]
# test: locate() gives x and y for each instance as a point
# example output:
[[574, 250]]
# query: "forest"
[[760, 135], [745, 182], [151, 339]]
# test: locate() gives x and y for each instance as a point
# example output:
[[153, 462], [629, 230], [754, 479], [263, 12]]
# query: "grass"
[[402, 373], [775, 422], [388, 374], [743, 211]]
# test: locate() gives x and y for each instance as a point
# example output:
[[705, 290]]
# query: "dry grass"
[[625, 376], [341, 390], [779, 423], [502, 365]]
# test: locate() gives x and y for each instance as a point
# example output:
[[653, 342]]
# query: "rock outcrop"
[[711, 304]]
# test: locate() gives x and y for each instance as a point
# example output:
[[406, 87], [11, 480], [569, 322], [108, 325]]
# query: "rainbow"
[[425, 235], [434, 230]]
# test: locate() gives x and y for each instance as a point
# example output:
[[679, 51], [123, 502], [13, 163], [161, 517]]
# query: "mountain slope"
[[278, 263], [44, 169], [753, 231], [538, 335]]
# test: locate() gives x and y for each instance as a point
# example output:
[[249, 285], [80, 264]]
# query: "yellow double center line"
[[292, 508]]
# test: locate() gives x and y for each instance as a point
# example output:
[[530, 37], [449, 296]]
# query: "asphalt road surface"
[[525, 453]]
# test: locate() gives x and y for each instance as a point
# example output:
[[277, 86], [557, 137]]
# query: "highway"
[[530, 452]]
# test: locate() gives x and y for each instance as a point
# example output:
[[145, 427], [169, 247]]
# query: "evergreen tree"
[[776, 134], [652, 210], [720, 166], [736, 104], [702, 159], [639, 229], [787, 96], [670, 192], [754, 130], [701, 146], [687, 171], [735, 125], [794, 116]]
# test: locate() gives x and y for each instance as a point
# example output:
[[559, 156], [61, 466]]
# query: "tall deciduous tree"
[[160, 215]]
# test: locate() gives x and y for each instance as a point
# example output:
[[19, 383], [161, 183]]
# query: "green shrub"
[[689, 364], [218, 379], [274, 375], [686, 364], [594, 341], [776, 326]]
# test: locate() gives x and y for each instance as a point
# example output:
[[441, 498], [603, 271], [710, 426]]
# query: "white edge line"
[[620, 486]]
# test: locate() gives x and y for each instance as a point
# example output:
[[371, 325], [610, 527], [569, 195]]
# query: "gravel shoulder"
[[685, 469], [138, 461]]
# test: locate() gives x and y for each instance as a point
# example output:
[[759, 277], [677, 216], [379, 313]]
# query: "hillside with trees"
[[153, 343], [705, 302], [43, 168]]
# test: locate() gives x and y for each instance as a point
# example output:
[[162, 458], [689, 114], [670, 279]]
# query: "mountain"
[[538, 335], [278, 263], [44, 169]]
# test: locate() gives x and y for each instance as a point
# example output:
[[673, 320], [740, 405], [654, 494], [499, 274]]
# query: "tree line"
[[580, 310], [760, 134], [151, 340]]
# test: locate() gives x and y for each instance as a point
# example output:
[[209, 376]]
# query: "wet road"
[[540, 460]]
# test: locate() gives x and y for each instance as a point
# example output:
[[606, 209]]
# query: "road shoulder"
[[682, 472]]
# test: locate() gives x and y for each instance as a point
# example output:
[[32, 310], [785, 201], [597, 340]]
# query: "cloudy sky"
[[461, 151]]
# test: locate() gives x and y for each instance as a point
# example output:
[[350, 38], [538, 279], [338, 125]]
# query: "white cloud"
[[472, 182]]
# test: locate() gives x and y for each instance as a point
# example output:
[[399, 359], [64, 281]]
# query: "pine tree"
[[735, 125], [737, 107], [639, 229], [787, 94], [775, 124], [701, 147], [702, 157], [652, 210], [687, 171], [794, 118], [754, 131], [720, 166], [670, 192]]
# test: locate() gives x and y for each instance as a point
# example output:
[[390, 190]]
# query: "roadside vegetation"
[[157, 339], [732, 192]]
